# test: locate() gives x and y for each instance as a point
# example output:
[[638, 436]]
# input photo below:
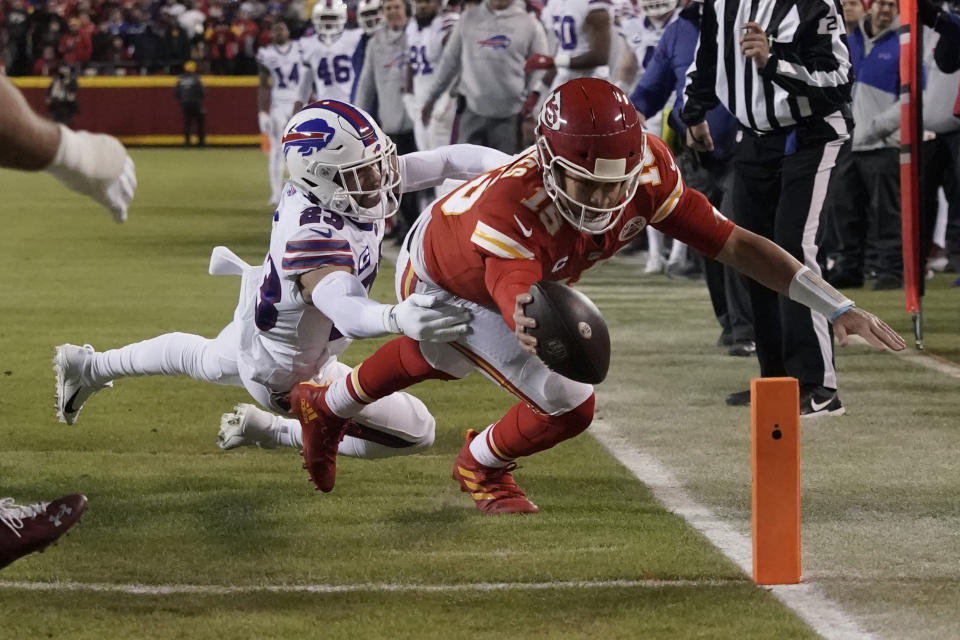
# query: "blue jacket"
[[876, 92], [666, 74]]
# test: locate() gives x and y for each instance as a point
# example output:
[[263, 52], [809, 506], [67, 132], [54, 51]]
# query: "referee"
[[782, 68]]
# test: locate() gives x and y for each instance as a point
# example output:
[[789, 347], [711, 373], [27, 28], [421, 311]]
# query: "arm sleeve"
[[702, 75], [695, 222], [449, 65], [656, 82], [425, 169], [342, 297], [816, 63], [505, 279]]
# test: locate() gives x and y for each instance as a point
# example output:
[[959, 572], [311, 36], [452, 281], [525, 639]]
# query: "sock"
[[482, 453], [288, 431]]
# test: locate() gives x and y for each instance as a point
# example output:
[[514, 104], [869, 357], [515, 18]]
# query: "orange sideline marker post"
[[775, 454]]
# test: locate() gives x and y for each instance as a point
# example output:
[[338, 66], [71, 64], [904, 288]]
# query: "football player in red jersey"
[[592, 183]]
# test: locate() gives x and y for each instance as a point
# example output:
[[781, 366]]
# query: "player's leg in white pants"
[[397, 425], [278, 116], [172, 354], [655, 251]]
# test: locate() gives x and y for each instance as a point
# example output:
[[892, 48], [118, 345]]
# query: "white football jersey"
[[335, 66], [642, 35], [425, 47], [565, 20], [285, 65], [284, 339]]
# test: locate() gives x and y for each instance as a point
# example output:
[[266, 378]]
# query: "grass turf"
[[167, 507]]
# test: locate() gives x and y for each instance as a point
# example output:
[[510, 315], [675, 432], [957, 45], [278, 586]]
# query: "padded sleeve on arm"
[[506, 279], [425, 169], [342, 297]]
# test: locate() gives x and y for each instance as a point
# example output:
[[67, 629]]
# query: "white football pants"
[[399, 414]]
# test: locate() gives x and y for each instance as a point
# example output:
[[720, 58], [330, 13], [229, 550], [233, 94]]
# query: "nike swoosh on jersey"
[[326, 233], [524, 230]]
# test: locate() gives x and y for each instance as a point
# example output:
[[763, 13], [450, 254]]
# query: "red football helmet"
[[590, 143]]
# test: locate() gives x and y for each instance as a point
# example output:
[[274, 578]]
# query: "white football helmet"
[[370, 15], [338, 156], [329, 18], [656, 8]]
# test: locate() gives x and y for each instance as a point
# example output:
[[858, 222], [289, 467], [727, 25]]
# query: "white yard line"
[[922, 358], [806, 599], [393, 587]]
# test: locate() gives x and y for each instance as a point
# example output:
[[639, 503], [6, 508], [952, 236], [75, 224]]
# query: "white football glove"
[[265, 122], [426, 319], [96, 165]]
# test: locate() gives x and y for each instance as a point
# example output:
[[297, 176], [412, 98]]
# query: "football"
[[572, 336]]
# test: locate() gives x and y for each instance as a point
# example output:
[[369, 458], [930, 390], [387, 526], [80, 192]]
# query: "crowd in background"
[[861, 227], [124, 37]]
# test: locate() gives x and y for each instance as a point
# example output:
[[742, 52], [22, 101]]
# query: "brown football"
[[572, 336]]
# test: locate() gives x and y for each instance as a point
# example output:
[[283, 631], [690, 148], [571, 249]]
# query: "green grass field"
[[397, 551]]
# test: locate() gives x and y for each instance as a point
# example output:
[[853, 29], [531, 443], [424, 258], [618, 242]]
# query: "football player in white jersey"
[[641, 32], [581, 32], [280, 63], [333, 53], [426, 34], [300, 309]]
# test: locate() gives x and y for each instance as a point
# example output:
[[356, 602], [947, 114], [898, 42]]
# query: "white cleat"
[[69, 361], [247, 426]]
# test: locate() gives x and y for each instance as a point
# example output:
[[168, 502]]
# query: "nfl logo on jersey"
[[308, 137]]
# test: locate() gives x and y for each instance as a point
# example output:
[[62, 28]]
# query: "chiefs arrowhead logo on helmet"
[[550, 114]]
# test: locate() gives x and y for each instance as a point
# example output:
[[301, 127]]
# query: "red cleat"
[[493, 489], [321, 434], [25, 529]]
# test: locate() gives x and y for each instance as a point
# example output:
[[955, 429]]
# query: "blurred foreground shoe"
[[725, 339], [742, 349], [689, 269], [739, 399], [25, 529], [818, 401], [321, 434], [493, 489]]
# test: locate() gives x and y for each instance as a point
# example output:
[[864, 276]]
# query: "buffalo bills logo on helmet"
[[495, 42], [551, 112], [309, 137]]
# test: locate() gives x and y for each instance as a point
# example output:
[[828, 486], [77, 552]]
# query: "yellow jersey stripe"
[[670, 203]]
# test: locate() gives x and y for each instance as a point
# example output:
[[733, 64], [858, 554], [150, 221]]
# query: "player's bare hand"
[[698, 137], [755, 44], [527, 342], [875, 331]]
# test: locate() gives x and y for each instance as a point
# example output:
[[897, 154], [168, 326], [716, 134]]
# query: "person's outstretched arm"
[[93, 164]]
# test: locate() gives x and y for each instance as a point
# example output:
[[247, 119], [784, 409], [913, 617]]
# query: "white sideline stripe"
[[805, 599], [212, 589], [921, 358]]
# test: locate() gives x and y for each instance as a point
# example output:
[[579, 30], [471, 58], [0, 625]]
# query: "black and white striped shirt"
[[808, 72]]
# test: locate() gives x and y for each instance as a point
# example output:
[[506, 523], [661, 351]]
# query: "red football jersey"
[[507, 214]]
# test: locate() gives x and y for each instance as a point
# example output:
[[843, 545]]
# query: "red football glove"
[[538, 61], [527, 112]]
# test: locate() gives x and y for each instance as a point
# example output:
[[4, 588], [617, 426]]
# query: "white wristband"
[[561, 60], [811, 290]]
